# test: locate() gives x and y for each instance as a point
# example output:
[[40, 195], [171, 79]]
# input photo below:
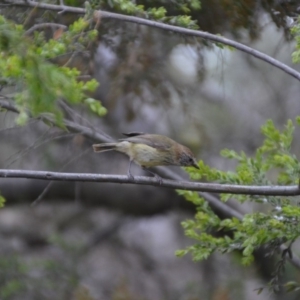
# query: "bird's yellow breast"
[[142, 154]]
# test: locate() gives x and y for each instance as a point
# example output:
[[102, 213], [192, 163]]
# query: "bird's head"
[[186, 158]]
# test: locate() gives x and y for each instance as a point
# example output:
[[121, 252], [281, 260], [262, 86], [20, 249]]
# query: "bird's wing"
[[150, 140]]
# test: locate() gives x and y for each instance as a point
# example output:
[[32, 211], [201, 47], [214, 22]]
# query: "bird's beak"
[[195, 165]]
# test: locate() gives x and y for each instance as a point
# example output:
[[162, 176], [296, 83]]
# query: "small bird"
[[150, 150]]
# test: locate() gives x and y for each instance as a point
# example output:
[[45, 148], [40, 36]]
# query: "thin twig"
[[19, 154], [48, 186], [5, 130], [44, 25], [72, 126]]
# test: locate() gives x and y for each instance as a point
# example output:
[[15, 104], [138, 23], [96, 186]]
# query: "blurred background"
[[108, 241]]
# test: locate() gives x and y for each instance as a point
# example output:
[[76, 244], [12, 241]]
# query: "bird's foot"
[[157, 177], [130, 176]]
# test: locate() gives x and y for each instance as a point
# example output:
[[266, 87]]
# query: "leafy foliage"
[[273, 163], [39, 84], [159, 13]]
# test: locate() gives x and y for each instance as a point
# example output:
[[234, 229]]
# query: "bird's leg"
[[130, 176], [157, 177]]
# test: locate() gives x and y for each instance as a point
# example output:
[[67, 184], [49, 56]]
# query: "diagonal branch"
[[72, 126], [190, 32]]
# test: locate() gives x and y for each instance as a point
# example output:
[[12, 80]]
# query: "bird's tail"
[[104, 147]]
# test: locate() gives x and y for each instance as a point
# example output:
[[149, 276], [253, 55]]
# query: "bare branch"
[[183, 185], [185, 31]]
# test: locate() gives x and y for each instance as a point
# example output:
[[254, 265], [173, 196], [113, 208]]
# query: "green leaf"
[[180, 253], [247, 260], [2, 201], [95, 106]]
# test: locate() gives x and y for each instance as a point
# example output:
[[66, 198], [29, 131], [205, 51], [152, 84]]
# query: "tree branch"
[[183, 185], [180, 30]]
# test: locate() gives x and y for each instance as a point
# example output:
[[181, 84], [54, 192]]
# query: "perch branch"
[[183, 185]]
